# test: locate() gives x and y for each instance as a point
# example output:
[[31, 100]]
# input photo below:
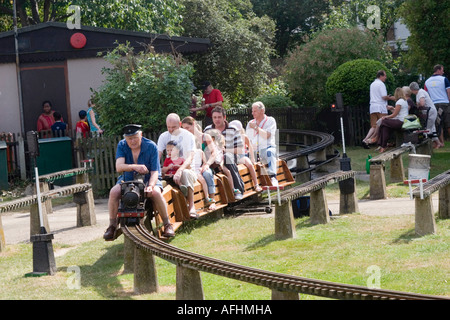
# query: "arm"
[[94, 122], [394, 113], [121, 166]]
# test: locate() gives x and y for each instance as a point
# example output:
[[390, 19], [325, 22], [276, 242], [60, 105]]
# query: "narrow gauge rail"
[[272, 280]]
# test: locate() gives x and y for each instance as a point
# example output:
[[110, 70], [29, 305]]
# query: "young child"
[[173, 160], [242, 158], [59, 127], [205, 176], [82, 127]]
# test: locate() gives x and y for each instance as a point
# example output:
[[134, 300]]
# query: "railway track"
[[272, 280]]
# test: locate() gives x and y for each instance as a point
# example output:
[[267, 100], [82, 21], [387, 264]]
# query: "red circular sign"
[[78, 40]]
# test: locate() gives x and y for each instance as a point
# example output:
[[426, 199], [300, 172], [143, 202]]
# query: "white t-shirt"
[[428, 102], [184, 139], [268, 124], [403, 111], [377, 92]]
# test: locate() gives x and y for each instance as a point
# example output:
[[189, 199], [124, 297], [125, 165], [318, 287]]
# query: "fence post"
[[189, 284]]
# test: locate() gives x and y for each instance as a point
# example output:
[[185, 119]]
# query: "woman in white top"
[[393, 121]]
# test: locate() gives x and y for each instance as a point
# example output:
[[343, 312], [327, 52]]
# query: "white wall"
[[83, 74], [9, 99]]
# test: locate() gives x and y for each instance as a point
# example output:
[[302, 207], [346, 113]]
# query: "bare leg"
[[113, 204]]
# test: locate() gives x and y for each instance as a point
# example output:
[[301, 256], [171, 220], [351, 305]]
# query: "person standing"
[[92, 119], [378, 106], [46, 119], [211, 98], [438, 87]]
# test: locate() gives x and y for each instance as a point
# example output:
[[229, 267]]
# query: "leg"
[[113, 207], [246, 161], [232, 167], [209, 178], [161, 206]]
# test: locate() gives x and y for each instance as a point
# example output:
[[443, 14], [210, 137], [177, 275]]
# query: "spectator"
[[262, 132], [211, 98], [82, 128], [378, 106], [127, 163], [423, 99], [438, 87], [59, 127], [232, 143], [393, 121], [46, 119], [92, 120], [247, 151], [186, 142]]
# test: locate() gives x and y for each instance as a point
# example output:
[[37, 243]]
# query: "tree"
[[137, 15], [238, 61], [308, 66], [143, 88], [429, 24], [294, 19]]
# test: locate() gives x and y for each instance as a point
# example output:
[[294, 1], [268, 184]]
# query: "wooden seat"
[[284, 175], [200, 199]]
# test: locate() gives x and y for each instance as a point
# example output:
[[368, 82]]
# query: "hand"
[[177, 177], [140, 168], [148, 191]]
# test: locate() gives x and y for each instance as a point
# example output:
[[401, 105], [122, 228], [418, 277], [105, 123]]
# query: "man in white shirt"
[[262, 132], [438, 87], [184, 177], [378, 106]]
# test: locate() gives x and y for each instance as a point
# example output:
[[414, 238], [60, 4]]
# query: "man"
[[212, 98], [262, 132], [378, 106], [137, 154], [184, 177], [233, 146], [438, 87]]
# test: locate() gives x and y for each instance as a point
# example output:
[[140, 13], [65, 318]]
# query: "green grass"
[[340, 251]]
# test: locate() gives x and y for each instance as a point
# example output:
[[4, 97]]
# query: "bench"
[[424, 214], [377, 167], [319, 213]]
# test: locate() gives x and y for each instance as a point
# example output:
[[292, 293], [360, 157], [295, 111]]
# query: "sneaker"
[[258, 188], [237, 194], [274, 181], [168, 231], [193, 215], [109, 234]]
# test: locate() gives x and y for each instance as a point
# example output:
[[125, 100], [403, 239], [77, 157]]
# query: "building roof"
[[51, 41]]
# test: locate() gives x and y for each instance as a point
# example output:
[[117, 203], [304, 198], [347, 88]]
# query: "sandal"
[[258, 188], [212, 204]]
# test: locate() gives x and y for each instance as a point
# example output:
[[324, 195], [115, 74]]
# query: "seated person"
[[137, 154], [243, 157], [261, 132], [205, 176]]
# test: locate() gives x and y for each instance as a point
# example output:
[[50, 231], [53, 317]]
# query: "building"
[[62, 65]]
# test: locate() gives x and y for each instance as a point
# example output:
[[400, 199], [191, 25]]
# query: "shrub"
[[143, 88], [308, 66], [353, 80]]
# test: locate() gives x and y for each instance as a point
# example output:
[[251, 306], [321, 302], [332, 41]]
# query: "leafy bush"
[[353, 80], [308, 66], [143, 88], [276, 101]]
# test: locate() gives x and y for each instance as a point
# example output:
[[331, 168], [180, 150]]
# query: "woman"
[[393, 121], [91, 118], [423, 100]]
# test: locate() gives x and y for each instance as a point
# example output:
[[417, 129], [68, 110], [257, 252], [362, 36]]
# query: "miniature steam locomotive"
[[132, 206]]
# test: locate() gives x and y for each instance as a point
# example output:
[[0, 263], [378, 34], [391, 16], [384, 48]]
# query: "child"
[[205, 176], [59, 127], [173, 160], [242, 158], [82, 127]]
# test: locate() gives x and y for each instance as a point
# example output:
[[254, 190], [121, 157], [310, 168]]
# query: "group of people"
[[191, 154], [53, 120], [434, 97]]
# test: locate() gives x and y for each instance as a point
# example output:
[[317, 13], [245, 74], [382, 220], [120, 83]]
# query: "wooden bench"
[[319, 213], [377, 167], [424, 213], [284, 175]]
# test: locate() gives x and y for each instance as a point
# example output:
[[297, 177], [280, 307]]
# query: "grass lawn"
[[344, 251]]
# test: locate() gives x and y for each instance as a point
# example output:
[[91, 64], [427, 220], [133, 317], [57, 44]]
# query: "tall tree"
[[138, 15], [429, 24], [295, 19]]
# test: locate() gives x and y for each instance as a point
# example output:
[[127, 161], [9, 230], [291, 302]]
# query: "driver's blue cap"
[[131, 129]]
